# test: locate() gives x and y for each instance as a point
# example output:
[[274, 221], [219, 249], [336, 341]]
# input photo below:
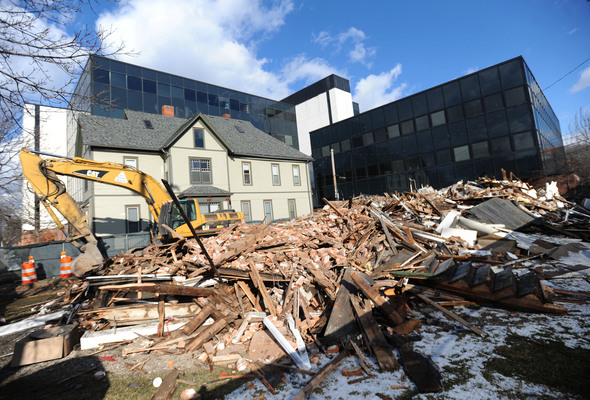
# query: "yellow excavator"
[[42, 175]]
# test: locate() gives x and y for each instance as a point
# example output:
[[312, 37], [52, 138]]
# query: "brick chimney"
[[168, 111]]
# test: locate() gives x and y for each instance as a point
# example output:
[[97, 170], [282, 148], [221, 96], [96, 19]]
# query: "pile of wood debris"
[[343, 279]]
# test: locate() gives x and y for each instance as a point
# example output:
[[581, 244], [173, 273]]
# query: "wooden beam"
[[451, 314], [374, 337], [379, 300], [320, 376], [268, 301], [162, 289], [168, 386]]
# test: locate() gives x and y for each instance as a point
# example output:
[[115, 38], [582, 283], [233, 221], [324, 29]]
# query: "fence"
[[47, 255]]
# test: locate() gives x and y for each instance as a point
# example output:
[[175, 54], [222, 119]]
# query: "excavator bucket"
[[89, 259]]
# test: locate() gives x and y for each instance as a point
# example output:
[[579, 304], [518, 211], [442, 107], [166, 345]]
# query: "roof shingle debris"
[[343, 279]]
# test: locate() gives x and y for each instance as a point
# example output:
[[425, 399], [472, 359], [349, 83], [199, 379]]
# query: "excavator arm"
[[42, 174]]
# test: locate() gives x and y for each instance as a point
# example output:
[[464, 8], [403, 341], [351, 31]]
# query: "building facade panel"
[[476, 125]]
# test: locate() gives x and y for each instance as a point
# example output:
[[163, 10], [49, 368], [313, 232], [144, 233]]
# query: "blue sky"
[[387, 49]]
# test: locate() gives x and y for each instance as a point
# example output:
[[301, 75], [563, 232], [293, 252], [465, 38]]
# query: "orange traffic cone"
[[65, 270], [28, 272]]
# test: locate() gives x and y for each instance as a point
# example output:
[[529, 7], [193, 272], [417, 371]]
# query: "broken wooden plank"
[[373, 336], [374, 295], [451, 314], [320, 376], [198, 320], [268, 301], [168, 386], [162, 289]]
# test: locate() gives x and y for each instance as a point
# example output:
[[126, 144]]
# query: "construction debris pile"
[[344, 280]]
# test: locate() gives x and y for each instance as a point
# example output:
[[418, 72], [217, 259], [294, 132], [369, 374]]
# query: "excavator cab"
[[204, 224]]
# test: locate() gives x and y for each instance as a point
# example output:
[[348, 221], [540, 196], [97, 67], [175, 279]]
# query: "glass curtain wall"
[[493, 120], [114, 86]]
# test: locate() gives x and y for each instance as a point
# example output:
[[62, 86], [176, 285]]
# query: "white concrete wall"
[[52, 139], [313, 114]]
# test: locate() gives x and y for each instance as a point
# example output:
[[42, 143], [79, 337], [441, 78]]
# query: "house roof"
[[203, 190], [130, 132], [241, 138]]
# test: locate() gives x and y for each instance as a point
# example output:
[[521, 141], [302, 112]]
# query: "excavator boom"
[[42, 174]]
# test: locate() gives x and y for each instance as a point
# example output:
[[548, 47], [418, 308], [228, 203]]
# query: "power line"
[[584, 62]]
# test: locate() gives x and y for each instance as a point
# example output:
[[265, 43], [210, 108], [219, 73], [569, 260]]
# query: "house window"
[[247, 173], [268, 211], [200, 170], [199, 137], [247, 210], [132, 219], [292, 208], [276, 178], [130, 161], [296, 178]]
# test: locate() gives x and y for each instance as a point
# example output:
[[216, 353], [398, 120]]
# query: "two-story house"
[[222, 162]]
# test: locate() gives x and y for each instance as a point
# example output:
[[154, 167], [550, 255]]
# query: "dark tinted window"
[[519, 118], [202, 97], [515, 97], [427, 159], [440, 137], [100, 76], [190, 95], [523, 141], [443, 156], [476, 127], [213, 99], [407, 127], [473, 108], [455, 113], [493, 102], [393, 131], [149, 86], [501, 145], [497, 123], [438, 118], [424, 141], [422, 123], [404, 109], [357, 142], [452, 94], [410, 145], [134, 83], [390, 114], [480, 149], [163, 90], [378, 118], [511, 74], [470, 88], [435, 99], [118, 80], [419, 105], [489, 81], [380, 135], [135, 100], [458, 133]]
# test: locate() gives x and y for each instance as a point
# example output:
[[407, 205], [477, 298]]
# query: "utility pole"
[[336, 196]]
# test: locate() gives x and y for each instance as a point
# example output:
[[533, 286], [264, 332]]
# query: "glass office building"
[[115, 86], [497, 118]]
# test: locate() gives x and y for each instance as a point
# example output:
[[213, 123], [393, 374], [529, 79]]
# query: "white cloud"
[[583, 82], [212, 41], [572, 31], [470, 70], [359, 53], [376, 90], [307, 71]]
